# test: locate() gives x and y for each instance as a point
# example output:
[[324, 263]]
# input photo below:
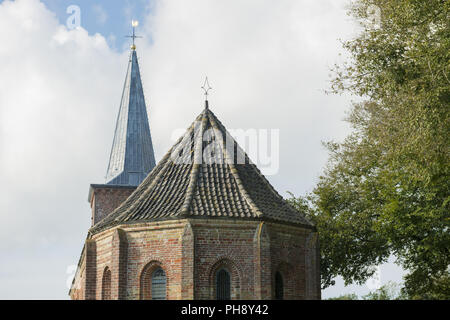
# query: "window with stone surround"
[[154, 282], [223, 285], [225, 280], [159, 284]]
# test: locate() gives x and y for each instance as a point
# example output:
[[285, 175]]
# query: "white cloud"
[[56, 95], [100, 14], [268, 62], [57, 109]]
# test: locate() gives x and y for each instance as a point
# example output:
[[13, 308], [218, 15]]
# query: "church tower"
[[132, 156]]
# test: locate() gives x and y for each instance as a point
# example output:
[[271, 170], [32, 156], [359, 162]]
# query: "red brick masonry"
[[190, 251]]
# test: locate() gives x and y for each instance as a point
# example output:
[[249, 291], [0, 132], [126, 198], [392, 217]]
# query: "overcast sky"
[[268, 63]]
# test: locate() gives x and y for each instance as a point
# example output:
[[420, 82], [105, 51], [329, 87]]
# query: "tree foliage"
[[389, 291], [350, 296], [385, 190]]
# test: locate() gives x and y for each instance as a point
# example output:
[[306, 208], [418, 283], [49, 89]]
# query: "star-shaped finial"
[[206, 87]]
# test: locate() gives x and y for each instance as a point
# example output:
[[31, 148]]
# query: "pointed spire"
[[132, 156]]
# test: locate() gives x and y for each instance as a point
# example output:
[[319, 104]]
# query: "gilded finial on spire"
[[206, 87], [134, 24]]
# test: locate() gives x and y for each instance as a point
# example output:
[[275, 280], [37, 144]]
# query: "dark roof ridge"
[[232, 166], [195, 169]]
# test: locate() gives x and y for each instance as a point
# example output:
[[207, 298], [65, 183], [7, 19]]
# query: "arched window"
[[106, 284], [223, 285], [159, 284], [279, 288]]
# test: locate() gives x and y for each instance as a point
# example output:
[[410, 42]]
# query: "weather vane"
[[134, 24], [206, 87]]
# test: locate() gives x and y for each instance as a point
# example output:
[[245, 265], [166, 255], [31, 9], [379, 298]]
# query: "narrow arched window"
[[279, 287], [223, 285], [106, 284], [159, 284]]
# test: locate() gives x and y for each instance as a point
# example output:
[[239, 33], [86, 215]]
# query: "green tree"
[[389, 291], [350, 296], [386, 188]]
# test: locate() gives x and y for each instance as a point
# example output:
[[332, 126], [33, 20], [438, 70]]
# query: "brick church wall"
[[287, 256], [224, 242], [155, 244], [105, 198], [158, 244], [78, 286], [191, 251]]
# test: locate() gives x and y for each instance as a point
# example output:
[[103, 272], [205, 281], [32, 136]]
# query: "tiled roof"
[[132, 156], [187, 183]]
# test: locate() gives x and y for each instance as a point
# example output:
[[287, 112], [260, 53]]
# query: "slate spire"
[[132, 156]]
